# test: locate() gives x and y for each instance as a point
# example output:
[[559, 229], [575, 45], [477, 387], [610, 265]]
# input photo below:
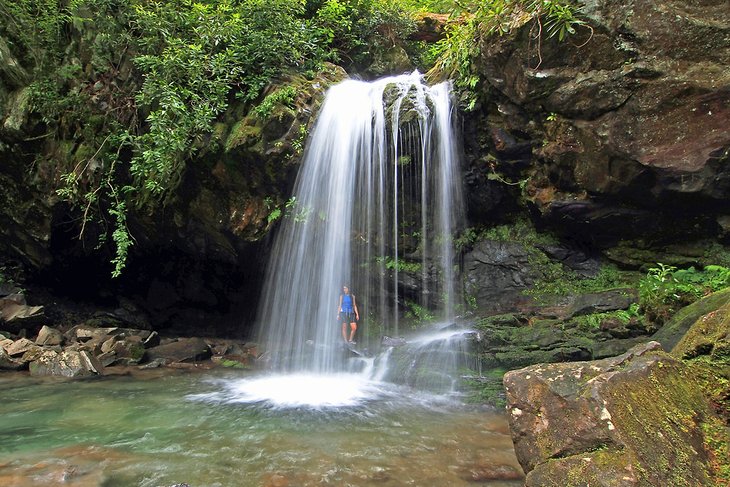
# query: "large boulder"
[[631, 420], [16, 314]]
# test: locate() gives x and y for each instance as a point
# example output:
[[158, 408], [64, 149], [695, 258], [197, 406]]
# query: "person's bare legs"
[[353, 329], [344, 331]]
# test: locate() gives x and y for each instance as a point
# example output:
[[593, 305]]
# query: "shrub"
[[665, 288]]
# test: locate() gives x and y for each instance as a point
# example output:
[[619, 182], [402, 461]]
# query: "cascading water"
[[379, 184]]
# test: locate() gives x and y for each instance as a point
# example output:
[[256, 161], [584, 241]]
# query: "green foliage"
[[298, 143], [282, 96], [418, 315], [557, 280], [521, 230], [665, 288], [141, 122], [295, 210], [195, 54], [593, 321], [399, 265], [48, 18], [233, 364], [561, 17], [121, 237], [274, 211], [354, 29]]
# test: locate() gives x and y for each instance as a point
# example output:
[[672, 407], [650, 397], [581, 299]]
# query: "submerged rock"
[[631, 420]]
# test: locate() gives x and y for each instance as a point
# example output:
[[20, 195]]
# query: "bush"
[[665, 289]]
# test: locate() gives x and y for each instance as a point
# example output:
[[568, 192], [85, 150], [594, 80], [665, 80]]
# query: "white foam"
[[303, 390]]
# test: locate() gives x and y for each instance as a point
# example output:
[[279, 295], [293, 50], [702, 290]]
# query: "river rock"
[[602, 302], [13, 308], [181, 350], [68, 363], [127, 350], [7, 363], [49, 336], [709, 336], [673, 330], [631, 420], [19, 347]]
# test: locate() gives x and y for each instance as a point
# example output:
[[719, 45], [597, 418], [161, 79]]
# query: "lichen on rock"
[[631, 420]]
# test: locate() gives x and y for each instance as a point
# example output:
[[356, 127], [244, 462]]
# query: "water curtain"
[[375, 205]]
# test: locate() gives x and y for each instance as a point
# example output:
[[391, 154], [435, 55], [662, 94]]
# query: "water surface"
[[217, 428]]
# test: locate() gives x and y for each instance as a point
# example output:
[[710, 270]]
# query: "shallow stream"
[[211, 428]]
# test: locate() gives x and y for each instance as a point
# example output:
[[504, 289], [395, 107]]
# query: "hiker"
[[347, 313]]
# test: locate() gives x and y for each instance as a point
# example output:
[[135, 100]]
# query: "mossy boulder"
[[631, 420], [672, 332], [709, 335]]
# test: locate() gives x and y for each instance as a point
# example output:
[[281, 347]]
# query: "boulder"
[[709, 336], [7, 363], [13, 308], [631, 420], [19, 347], [673, 330], [602, 302], [126, 350], [68, 363], [49, 336], [181, 350]]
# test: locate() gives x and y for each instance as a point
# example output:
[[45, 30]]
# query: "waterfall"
[[375, 205]]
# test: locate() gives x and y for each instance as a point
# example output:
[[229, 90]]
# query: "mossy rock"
[[17, 110], [709, 335], [672, 332], [639, 414], [278, 124], [244, 133]]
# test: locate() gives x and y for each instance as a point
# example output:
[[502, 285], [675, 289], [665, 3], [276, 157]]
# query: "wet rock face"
[[496, 274], [628, 119], [631, 420]]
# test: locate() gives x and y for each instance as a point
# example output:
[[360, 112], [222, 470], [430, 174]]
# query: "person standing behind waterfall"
[[347, 313]]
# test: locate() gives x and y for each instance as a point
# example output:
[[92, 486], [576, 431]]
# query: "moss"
[[671, 333], [234, 364], [717, 442], [136, 351], [488, 388], [709, 335], [663, 430], [243, 134]]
